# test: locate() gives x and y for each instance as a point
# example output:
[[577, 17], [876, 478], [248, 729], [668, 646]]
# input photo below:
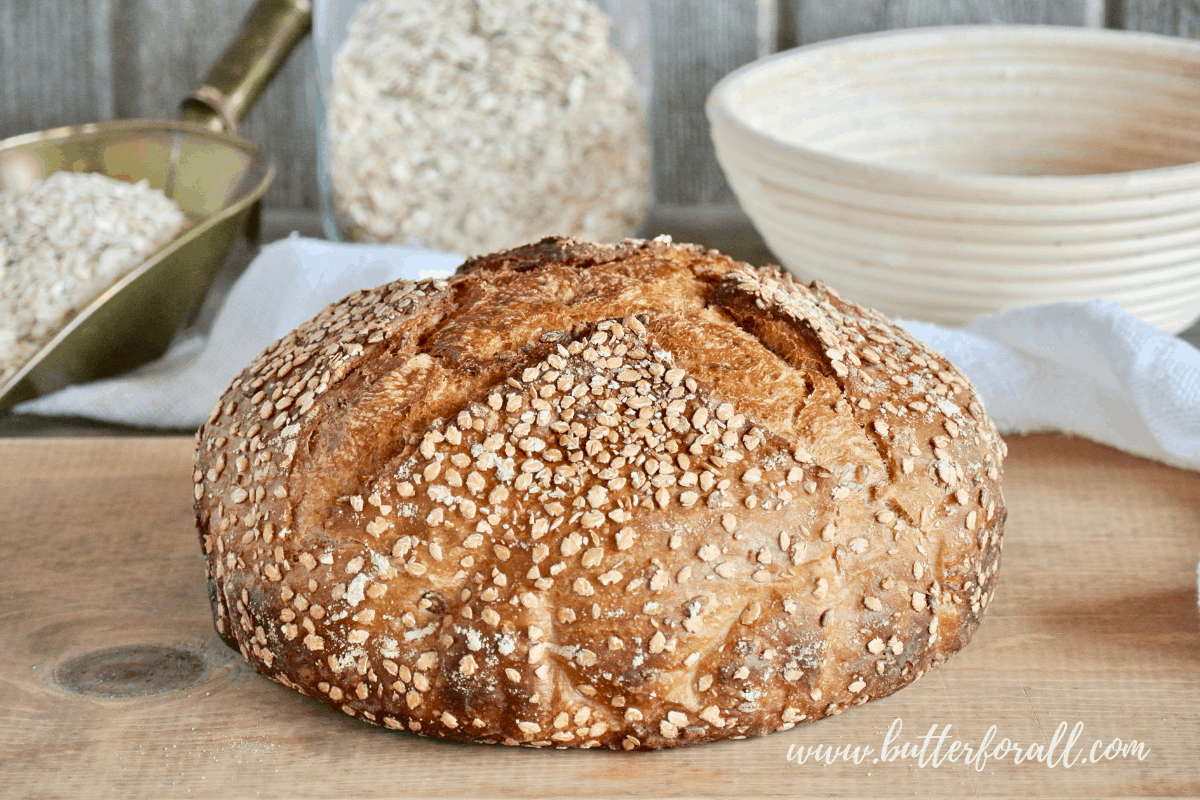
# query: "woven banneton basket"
[[946, 173]]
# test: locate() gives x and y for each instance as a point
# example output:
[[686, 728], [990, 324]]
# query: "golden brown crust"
[[576, 495]]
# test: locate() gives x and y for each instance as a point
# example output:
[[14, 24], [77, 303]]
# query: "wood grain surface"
[[113, 683]]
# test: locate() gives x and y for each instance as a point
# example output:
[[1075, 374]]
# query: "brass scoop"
[[215, 176]]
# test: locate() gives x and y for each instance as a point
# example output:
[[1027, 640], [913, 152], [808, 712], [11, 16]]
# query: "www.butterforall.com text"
[[937, 748]]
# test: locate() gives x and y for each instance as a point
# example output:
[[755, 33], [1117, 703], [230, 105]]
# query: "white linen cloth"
[[1087, 369]]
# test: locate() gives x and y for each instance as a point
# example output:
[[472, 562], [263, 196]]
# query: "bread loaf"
[[633, 496]]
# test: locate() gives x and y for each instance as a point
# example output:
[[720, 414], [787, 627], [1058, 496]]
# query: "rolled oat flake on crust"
[[630, 496]]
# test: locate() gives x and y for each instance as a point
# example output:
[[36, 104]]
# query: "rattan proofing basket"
[[945, 173]]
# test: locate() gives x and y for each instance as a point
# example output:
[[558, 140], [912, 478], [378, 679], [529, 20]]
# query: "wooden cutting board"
[[113, 683]]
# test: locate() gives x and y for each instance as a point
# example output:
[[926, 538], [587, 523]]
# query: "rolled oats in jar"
[[474, 125]]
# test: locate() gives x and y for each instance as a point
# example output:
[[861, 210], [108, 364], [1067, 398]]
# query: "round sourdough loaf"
[[632, 496]]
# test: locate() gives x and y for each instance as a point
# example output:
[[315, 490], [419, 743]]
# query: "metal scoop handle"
[[269, 32]]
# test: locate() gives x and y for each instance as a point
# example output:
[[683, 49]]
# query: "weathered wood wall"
[[71, 61]]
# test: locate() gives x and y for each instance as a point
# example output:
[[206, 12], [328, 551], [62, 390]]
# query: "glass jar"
[[470, 126]]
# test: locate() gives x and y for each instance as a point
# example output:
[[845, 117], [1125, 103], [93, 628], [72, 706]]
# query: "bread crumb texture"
[[632, 496]]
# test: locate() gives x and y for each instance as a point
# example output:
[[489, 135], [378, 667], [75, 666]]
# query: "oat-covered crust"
[[630, 496]]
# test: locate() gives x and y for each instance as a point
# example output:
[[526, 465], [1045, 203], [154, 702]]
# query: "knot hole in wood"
[[131, 671]]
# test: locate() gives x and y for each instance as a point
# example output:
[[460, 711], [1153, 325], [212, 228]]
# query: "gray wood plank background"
[[163, 48], [1173, 17], [690, 52], [815, 20], [55, 64], [71, 61]]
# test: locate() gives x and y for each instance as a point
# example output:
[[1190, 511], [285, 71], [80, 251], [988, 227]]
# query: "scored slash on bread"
[[631, 496]]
